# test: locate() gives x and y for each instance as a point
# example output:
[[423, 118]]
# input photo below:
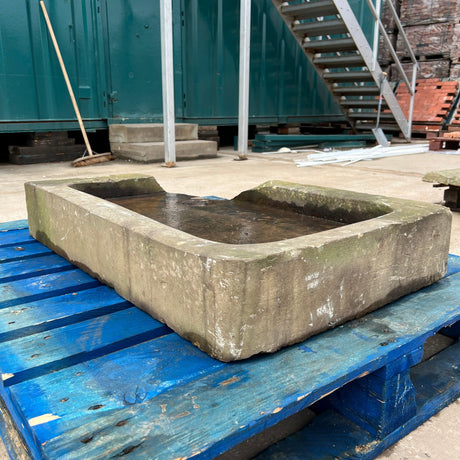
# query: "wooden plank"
[[382, 401], [331, 435], [44, 286], [227, 410], [454, 265], [18, 252], [13, 225], [26, 268], [29, 318], [32, 356], [15, 237], [121, 380]]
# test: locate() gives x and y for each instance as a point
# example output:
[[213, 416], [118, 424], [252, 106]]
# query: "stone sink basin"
[[237, 300]]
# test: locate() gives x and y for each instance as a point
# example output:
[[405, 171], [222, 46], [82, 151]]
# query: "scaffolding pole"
[[243, 100], [167, 75]]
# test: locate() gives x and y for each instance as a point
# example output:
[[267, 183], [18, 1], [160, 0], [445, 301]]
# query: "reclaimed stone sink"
[[237, 299]]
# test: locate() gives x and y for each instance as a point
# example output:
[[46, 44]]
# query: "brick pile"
[[433, 30], [455, 123], [433, 103]]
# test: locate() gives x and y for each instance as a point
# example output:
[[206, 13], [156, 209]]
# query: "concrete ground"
[[222, 176]]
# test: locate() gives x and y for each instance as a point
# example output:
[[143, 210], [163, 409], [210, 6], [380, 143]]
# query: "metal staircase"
[[334, 42]]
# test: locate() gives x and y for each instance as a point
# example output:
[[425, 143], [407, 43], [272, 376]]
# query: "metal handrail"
[[386, 38], [402, 32]]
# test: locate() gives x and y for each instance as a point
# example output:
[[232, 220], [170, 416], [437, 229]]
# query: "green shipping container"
[[111, 49]]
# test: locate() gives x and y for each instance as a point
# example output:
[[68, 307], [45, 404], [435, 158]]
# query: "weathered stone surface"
[[234, 301], [150, 152], [150, 132], [445, 177]]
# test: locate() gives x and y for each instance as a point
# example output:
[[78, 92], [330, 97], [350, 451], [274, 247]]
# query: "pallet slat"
[[21, 269], [44, 286], [29, 318], [32, 356], [30, 250], [117, 381], [13, 237]]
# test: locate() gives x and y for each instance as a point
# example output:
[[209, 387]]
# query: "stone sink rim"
[[183, 241]]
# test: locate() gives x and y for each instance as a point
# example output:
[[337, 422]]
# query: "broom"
[[91, 158]]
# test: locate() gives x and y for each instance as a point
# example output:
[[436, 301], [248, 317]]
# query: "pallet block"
[[444, 143], [87, 375]]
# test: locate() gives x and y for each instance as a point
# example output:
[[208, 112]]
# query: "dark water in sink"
[[225, 221]]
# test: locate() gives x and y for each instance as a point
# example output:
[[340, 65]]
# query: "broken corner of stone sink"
[[237, 300]]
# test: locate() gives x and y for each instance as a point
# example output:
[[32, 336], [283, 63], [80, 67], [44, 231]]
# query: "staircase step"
[[321, 46], [387, 127], [362, 104], [356, 90], [310, 9], [314, 29], [150, 132], [351, 76], [150, 152], [370, 116], [354, 60]]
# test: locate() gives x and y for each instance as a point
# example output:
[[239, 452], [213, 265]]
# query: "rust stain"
[[230, 381], [182, 414], [364, 374]]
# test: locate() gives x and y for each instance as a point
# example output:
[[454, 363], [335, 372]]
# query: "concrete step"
[[150, 132], [150, 152]]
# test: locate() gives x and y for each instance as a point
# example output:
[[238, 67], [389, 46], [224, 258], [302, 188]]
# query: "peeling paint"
[[41, 419]]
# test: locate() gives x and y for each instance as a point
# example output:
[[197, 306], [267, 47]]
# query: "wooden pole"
[[66, 77]]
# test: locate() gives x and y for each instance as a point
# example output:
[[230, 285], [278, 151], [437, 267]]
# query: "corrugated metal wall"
[[112, 51]]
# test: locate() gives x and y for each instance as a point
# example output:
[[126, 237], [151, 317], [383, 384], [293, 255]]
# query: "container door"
[[30, 75], [133, 48]]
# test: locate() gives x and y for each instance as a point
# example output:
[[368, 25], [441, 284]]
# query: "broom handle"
[[66, 77]]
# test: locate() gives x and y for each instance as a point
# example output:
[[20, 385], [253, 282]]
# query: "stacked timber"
[[433, 30], [44, 147], [209, 133]]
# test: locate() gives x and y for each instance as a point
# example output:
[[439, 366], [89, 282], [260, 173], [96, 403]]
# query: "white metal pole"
[[243, 101], [375, 48], [167, 74]]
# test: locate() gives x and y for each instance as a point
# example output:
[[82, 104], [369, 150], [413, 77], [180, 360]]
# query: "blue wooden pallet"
[[87, 375]]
